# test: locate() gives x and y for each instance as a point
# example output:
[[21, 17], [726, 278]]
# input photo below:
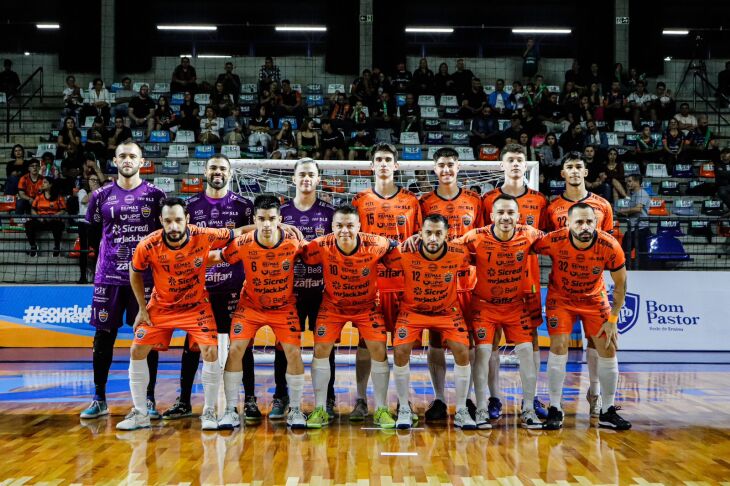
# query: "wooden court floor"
[[681, 435]]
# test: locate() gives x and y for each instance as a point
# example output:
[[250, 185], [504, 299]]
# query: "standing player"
[[177, 255], [430, 302], [122, 213], [580, 253], [462, 208], [313, 217], [532, 211], [217, 207], [349, 262], [267, 299], [574, 172], [501, 251], [393, 212]]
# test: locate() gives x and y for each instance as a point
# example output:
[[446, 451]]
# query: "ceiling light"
[[540, 30], [300, 28], [675, 32], [430, 30], [188, 27], [48, 26]]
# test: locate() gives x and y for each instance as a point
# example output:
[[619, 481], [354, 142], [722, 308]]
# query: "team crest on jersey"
[[286, 265], [146, 211], [402, 332], [530, 220], [230, 225], [237, 328], [401, 220], [140, 333], [321, 331], [103, 315], [448, 277], [553, 322], [466, 220], [365, 272], [519, 256], [481, 333], [596, 270], [128, 199], [198, 262]]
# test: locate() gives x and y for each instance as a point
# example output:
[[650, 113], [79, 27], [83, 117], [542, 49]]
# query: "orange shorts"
[[514, 319], [197, 321], [562, 314], [464, 297], [534, 307], [389, 304], [410, 325], [284, 321], [331, 320]]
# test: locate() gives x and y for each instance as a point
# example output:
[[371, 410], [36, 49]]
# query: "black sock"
[[188, 368], [103, 353], [331, 384], [280, 364], [249, 381], [152, 360]]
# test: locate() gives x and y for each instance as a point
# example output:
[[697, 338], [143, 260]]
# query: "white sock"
[[592, 359], [320, 378], [232, 387], [139, 378], [537, 360], [362, 372], [494, 390], [437, 369], [402, 377], [295, 383], [556, 378], [211, 378], [608, 374], [462, 374], [481, 374], [472, 360], [380, 372], [528, 376]]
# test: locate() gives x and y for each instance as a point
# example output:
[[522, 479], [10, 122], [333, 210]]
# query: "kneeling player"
[[580, 253], [430, 302]]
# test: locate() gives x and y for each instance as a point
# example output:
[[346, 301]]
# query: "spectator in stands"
[[98, 103], [333, 142], [552, 114], [443, 81], [484, 129], [619, 76], [573, 139], [595, 137], [424, 82], [142, 111], [550, 156], [586, 111], [269, 73], [686, 120], [615, 175], [410, 115], [96, 139], [402, 79], [165, 118], [615, 104], [595, 97], [569, 100], [220, 100], [723, 86], [268, 98], [211, 127], [541, 90], [517, 97], [664, 103], [381, 82], [499, 100], [648, 147], [117, 135], [89, 185], [363, 89], [512, 132], [16, 168], [633, 79], [642, 104], [573, 75], [184, 77], [638, 234], [259, 128], [597, 180], [233, 127], [47, 204], [672, 142], [474, 101], [122, 98], [189, 113], [385, 112], [530, 123], [524, 140], [701, 143], [29, 187], [285, 145], [308, 141], [48, 166], [72, 99], [91, 168], [530, 59], [361, 143], [231, 81], [462, 78], [9, 80], [69, 138], [359, 115], [289, 102], [594, 77], [722, 177]]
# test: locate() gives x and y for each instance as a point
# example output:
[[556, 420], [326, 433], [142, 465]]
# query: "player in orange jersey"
[[532, 210], [463, 210], [393, 212], [580, 253], [350, 261], [430, 301], [501, 252], [177, 255], [574, 172], [267, 299]]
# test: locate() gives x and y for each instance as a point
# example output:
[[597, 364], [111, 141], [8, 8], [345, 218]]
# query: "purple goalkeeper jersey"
[[126, 217], [230, 211], [313, 223]]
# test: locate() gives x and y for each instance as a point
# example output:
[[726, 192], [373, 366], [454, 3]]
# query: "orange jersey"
[[46, 207], [350, 281], [30, 188], [557, 212], [578, 274], [501, 265], [179, 273], [396, 218], [269, 271], [532, 206], [430, 285]]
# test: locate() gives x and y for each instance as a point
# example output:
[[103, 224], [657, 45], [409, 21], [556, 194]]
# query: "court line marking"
[[399, 453]]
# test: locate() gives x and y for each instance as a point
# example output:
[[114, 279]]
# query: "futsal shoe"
[[612, 420], [540, 409], [178, 411], [463, 420], [97, 409], [383, 419], [595, 403], [278, 408], [494, 408], [530, 420], [296, 419], [554, 419], [405, 418], [318, 418], [437, 410], [414, 415], [208, 420], [482, 419], [330, 408], [360, 411], [251, 411], [134, 420], [152, 410], [230, 419]]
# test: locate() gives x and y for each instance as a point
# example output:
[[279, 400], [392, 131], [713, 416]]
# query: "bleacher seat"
[[451, 112], [138, 85], [191, 185], [358, 184], [683, 170], [383, 135], [435, 138], [166, 184], [432, 152], [202, 99], [185, 136], [7, 203], [557, 187], [332, 88], [432, 124], [249, 184], [668, 227], [631, 168], [623, 203], [658, 207], [707, 170], [665, 248], [161, 88], [170, 167], [400, 99], [249, 88], [669, 188], [296, 87], [151, 150], [291, 119], [84, 134], [552, 88], [503, 124], [53, 135], [460, 138], [465, 153], [204, 151], [314, 88], [429, 112], [248, 99], [147, 167], [612, 139], [196, 167], [455, 125], [712, 207], [116, 87], [256, 152], [647, 186], [684, 207], [488, 152], [488, 88], [334, 182], [277, 185], [409, 138], [177, 99], [656, 170], [231, 151], [448, 100], [177, 151], [700, 228], [623, 126], [138, 135], [160, 136], [314, 100], [412, 152], [427, 100], [631, 139]]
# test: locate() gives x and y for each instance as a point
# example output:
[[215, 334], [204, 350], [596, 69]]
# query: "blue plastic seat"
[[667, 248]]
